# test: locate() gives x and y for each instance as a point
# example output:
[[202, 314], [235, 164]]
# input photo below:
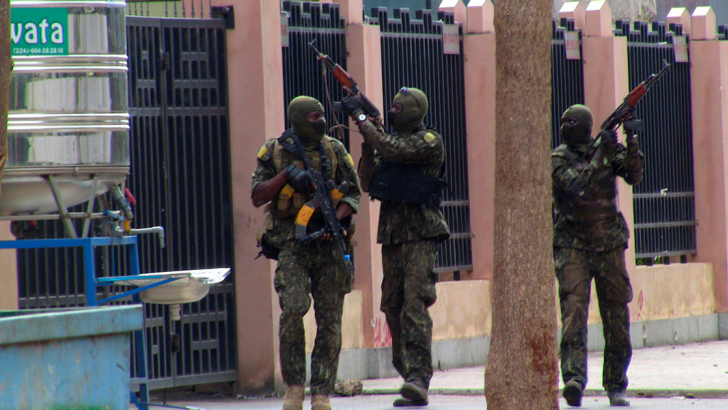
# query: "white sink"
[[190, 286]]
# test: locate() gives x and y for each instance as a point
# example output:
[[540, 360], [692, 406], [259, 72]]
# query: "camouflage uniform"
[[590, 236], [304, 267], [410, 234]]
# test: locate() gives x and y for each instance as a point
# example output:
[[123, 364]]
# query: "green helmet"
[[414, 108], [310, 133], [576, 125]]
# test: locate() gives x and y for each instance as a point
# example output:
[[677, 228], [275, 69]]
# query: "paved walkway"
[[699, 369], [693, 376]]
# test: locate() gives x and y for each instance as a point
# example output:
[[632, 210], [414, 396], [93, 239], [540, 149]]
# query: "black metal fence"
[[567, 78], [302, 73], [664, 202], [413, 56], [181, 178], [194, 9]]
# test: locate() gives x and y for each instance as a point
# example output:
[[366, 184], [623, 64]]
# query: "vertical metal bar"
[[90, 274]]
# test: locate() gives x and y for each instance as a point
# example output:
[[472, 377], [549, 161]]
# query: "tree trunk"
[[6, 66], [522, 372]]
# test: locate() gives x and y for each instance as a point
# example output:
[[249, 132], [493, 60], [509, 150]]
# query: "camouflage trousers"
[[294, 274], [575, 269], [407, 291]]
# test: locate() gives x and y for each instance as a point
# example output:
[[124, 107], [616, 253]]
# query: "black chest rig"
[[407, 182]]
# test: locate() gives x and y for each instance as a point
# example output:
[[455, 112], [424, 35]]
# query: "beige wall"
[[479, 73], [463, 309], [8, 271], [709, 79], [364, 59], [667, 292], [255, 70]]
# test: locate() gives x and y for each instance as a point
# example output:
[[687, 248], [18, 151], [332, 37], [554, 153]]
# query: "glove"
[[298, 178], [632, 124], [352, 105], [608, 139]]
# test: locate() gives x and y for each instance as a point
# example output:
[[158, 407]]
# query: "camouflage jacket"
[[584, 197], [281, 233], [399, 221]]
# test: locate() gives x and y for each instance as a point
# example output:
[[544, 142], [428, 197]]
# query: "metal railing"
[[664, 202]]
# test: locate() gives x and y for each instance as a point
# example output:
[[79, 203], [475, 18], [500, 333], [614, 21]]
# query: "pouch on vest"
[[289, 202]]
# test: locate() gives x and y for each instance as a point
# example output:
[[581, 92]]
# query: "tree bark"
[[522, 367], [6, 66]]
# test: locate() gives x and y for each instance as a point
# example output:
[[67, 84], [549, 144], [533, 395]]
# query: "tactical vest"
[[407, 182], [289, 201]]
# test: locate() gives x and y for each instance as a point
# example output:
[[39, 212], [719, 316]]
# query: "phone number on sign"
[[38, 50]]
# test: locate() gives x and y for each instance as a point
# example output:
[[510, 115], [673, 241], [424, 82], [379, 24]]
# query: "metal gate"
[[302, 72], [180, 175], [664, 202], [412, 55]]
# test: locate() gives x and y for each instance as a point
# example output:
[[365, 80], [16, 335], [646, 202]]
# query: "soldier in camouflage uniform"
[[411, 228], [590, 236], [314, 266]]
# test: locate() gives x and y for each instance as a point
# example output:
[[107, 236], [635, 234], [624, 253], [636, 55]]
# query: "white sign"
[[680, 45], [450, 39], [284, 29], [571, 41]]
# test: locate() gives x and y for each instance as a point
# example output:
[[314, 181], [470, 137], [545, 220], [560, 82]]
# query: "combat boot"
[[294, 397], [618, 398], [414, 392], [572, 393], [320, 402]]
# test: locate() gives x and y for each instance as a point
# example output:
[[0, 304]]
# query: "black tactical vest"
[[407, 182]]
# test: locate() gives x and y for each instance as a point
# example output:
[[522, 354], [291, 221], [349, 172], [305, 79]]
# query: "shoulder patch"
[[349, 160], [430, 138], [262, 152]]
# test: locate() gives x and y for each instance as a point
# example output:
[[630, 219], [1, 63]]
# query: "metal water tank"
[[68, 123]]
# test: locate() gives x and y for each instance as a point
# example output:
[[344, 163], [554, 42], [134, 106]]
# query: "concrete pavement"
[[384, 402], [691, 376], [700, 369]]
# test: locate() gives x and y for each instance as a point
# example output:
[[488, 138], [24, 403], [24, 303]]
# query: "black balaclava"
[[578, 135], [414, 108], [310, 133]]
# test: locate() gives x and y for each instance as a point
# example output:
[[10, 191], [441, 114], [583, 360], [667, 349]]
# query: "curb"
[[444, 391], [667, 393], [638, 393]]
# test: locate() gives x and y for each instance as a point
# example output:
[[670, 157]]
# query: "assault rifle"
[[622, 113], [349, 86], [326, 195], [621, 116]]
